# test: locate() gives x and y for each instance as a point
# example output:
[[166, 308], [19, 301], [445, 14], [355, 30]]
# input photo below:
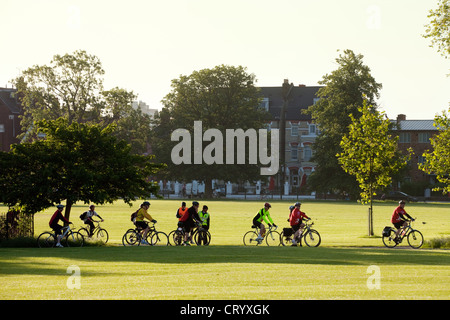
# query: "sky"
[[145, 44]]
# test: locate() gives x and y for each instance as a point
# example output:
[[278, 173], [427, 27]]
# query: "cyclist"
[[296, 222], [53, 223], [205, 220], [188, 220], [140, 223], [204, 217], [181, 210], [398, 218], [263, 214], [88, 219]]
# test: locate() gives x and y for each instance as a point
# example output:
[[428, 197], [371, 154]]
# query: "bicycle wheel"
[[250, 239], [273, 238], [415, 239], [312, 238], [46, 240], [84, 232], [74, 239], [131, 238], [159, 238], [389, 240], [178, 237], [102, 235], [170, 237], [202, 237]]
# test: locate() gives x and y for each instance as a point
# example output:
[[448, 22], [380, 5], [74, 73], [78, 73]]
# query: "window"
[[294, 153], [312, 129], [424, 137], [307, 154], [404, 137], [2, 127], [265, 104], [294, 130]]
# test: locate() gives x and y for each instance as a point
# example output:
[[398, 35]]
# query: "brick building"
[[415, 134], [9, 118]]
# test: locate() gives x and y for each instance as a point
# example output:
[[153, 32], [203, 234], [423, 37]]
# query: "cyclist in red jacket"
[[295, 220], [399, 218], [57, 227]]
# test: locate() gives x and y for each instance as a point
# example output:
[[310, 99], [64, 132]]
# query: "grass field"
[[341, 268]]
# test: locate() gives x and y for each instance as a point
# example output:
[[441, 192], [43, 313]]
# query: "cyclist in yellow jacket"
[[263, 214], [140, 223]]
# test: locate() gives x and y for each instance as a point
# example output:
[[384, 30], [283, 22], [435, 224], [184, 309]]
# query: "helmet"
[[291, 208], [267, 205], [195, 203], [297, 204], [401, 202], [60, 206], [146, 203], [183, 204]]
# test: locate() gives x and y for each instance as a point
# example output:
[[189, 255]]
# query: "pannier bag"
[[386, 231]]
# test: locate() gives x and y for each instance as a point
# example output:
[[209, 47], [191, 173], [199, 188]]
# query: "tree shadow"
[[23, 261]]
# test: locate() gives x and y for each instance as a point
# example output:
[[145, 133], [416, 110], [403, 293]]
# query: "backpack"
[[134, 215], [83, 215], [386, 232], [287, 232]]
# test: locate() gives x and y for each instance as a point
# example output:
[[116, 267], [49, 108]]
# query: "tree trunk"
[[69, 204], [208, 188]]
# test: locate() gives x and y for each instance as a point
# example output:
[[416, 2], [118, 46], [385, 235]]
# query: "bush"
[[438, 243]]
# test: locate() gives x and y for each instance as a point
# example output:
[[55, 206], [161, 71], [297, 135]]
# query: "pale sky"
[[144, 44]]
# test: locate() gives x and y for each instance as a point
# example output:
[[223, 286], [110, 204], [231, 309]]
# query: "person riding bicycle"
[[189, 220], [182, 210], [53, 223], [263, 214], [88, 219], [399, 218], [140, 223], [296, 221]]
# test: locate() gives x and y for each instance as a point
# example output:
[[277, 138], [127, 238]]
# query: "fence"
[[14, 224]]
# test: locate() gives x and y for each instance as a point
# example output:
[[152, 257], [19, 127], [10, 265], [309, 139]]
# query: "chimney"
[[401, 117]]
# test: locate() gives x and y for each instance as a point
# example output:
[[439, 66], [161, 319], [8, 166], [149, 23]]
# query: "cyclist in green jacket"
[[263, 214]]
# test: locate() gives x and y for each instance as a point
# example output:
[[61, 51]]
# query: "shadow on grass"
[[35, 261]]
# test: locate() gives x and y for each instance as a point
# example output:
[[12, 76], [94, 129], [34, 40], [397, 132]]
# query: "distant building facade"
[[10, 110], [415, 134], [300, 133]]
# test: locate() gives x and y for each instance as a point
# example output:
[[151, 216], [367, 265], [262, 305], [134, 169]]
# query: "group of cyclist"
[[189, 218]]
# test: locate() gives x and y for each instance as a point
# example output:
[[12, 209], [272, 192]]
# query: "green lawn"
[[338, 269]]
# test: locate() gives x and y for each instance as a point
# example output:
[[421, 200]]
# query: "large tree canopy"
[[343, 93], [71, 87], [74, 162], [222, 98]]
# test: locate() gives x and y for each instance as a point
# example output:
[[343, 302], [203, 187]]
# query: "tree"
[[438, 30], [224, 97], [438, 161], [71, 87], [74, 162], [370, 153], [344, 92]]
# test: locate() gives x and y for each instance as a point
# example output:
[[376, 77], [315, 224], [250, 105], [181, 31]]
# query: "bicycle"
[[135, 237], [414, 237], [69, 237], [201, 236], [310, 236], [251, 237], [99, 233]]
